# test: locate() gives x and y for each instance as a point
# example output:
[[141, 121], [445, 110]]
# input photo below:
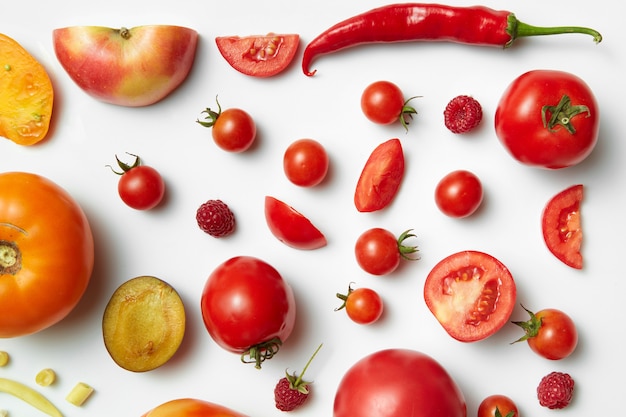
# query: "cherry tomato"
[[383, 103], [259, 56], [561, 226], [291, 227], [550, 333], [459, 194], [46, 253], [379, 252], [305, 162], [548, 119], [471, 294], [191, 407], [398, 382], [363, 305], [497, 406], [381, 177], [248, 308], [233, 130], [140, 187]]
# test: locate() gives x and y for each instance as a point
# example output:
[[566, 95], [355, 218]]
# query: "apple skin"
[[127, 67]]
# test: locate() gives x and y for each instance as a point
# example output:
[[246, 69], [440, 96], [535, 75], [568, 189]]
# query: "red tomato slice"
[[561, 227], [291, 227], [472, 295], [381, 177], [259, 56]]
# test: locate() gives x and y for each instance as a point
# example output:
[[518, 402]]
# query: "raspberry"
[[555, 390], [215, 218], [292, 391], [462, 114]]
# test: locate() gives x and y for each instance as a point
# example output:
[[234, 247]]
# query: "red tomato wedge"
[[291, 227], [381, 177], [259, 56], [561, 226], [471, 294]]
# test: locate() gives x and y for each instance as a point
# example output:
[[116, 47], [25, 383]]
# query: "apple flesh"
[[128, 67]]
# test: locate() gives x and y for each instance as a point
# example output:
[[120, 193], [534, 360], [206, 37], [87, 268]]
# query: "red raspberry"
[[462, 114], [555, 390], [292, 391], [215, 218]]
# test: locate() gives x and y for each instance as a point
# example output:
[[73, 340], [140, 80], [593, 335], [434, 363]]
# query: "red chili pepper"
[[477, 25]]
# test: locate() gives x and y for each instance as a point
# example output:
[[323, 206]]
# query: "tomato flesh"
[[291, 227], [471, 294], [259, 56], [561, 226], [381, 177]]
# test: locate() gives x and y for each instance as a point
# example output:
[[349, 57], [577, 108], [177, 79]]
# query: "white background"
[[167, 243]]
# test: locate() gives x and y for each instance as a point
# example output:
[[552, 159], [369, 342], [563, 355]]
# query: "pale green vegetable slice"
[[45, 377], [29, 395], [79, 394]]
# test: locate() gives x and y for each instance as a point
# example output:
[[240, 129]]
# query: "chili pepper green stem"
[[517, 29]]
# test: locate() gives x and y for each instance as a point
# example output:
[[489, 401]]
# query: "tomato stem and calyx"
[[261, 352], [10, 258], [531, 327], [562, 114], [212, 115], [407, 113], [344, 297], [124, 166], [406, 250], [296, 382]]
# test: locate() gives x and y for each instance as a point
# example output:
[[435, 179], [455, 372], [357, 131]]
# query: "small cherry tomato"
[[233, 130], [497, 406], [363, 305], [550, 333], [561, 226], [459, 194], [383, 103], [379, 252], [305, 162], [141, 187]]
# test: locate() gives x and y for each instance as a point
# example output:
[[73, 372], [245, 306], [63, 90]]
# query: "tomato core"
[[10, 258]]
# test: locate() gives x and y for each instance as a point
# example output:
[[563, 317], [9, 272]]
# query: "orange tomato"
[[190, 407], [26, 95], [46, 253]]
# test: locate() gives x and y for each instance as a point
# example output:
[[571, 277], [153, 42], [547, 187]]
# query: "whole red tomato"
[[550, 333], [382, 102], [306, 162], [459, 194], [233, 130], [548, 119], [140, 186], [46, 253], [497, 405], [398, 383], [248, 308], [379, 252], [191, 407], [363, 305]]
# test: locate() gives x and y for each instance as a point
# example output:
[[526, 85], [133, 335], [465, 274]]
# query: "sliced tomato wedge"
[[259, 56], [561, 226], [381, 177], [291, 227], [472, 295]]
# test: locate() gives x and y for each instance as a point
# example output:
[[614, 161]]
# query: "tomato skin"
[[246, 302], [520, 128], [561, 226], [306, 162], [471, 294], [291, 227], [550, 333], [459, 194], [381, 177], [382, 102], [259, 56], [141, 187], [191, 407], [376, 251], [55, 247], [505, 406], [398, 383], [363, 305], [234, 130]]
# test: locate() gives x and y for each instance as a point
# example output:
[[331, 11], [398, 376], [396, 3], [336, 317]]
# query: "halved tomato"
[[471, 294], [259, 56], [561, 226], [291, 227], [381, 177]]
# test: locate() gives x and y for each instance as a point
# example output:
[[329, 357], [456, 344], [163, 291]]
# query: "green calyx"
[[407, 113], [211, 115], [258, 354], [499, 414], [296, 382], [406, 250], [562, 115], [124, 166], [531, 327], [517, 29]]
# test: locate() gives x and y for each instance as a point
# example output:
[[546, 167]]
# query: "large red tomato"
[[248, 308], [46, 253], [398, 383], [548, 118], [191, 407]]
